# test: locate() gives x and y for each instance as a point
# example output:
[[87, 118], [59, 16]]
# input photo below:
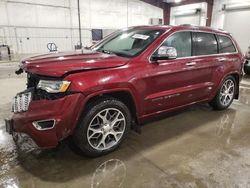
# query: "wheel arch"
[[237, 78], [123, 95]]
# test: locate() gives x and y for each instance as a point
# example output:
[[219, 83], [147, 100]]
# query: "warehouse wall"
[[28, 25], [219, 15], [234, 21], [188, 19]]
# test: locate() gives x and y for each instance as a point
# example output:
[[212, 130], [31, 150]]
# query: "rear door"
[[228, 59], [206, 58]]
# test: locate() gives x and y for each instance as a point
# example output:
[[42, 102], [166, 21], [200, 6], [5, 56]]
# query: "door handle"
[[221, 59], [191, 63]]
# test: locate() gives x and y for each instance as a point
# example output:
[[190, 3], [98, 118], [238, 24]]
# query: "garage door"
[[237, 22], [193, 19]]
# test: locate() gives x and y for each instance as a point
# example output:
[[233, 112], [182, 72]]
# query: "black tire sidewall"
[[80, 136]]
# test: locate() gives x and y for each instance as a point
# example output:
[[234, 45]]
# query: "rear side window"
[[225, 44], [182, 42], [204, 44]]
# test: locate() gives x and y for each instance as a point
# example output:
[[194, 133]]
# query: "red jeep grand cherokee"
[[129, 76]]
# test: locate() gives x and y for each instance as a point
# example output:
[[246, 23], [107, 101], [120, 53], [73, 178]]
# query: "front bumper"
[[66, 111]]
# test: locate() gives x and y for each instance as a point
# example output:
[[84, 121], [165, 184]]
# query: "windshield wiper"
[[111, 52], [106, 51]]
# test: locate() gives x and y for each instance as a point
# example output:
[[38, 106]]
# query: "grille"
[[21, 102]]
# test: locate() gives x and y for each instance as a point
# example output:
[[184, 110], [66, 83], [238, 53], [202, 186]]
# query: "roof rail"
[[221, 29], [189, 25], [185, 24]]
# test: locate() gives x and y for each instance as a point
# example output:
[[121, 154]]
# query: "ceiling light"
[[177, 1]]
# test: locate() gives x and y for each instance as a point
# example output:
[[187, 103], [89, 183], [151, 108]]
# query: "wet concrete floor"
[[195, 147]]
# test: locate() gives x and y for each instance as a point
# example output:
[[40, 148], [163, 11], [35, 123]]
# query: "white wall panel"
[[2, 36], [201, 20], [30, 24], [219, 15], [235, 22], [188, 19], [239, 28], [24, 15], [140, 13], [52, 17], [3, 14]]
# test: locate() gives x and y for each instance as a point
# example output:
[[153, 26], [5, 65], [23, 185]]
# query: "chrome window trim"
[[199, 56]]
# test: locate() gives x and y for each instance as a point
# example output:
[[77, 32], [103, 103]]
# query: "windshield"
[[128, 43]]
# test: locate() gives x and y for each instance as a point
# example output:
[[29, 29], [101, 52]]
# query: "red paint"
[[58, 64], [154, 87], [63, 110]]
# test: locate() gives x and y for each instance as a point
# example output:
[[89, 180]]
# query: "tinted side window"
[[226, 44], [181, 41], [205, 44]]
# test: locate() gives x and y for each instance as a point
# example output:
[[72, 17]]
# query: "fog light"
[[44, 124]]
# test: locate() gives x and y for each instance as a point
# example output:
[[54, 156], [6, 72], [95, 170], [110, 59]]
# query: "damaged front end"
[[45, 111]]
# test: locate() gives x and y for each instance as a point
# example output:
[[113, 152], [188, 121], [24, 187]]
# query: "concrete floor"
[[196, 147]]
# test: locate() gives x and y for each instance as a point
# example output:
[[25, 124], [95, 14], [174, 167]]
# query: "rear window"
[[226, 45], [205, 44]]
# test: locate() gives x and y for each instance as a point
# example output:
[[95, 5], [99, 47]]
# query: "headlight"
[[53, 86]]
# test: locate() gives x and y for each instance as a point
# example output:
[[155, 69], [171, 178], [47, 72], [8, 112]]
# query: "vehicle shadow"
[[65, 163]]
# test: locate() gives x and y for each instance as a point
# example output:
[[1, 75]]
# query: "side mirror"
[[164, 52]]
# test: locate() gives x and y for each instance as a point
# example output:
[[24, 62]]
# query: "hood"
[[58, 64]]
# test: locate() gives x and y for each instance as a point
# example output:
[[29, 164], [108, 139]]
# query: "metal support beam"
[[210, 4], [166, 13], [79, 23]]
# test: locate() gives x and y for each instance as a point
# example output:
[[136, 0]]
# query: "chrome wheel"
[[227, 92], [106, 129]]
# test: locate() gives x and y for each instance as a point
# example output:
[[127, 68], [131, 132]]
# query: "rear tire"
[[225, 95], [104, 125], [246, 68]]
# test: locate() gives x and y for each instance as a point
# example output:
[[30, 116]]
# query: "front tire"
[[103, 127], [225, 95]]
